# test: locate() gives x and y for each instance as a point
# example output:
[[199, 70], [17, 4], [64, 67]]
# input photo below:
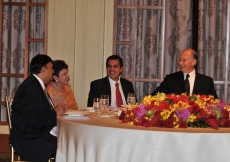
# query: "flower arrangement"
[[178, 111]]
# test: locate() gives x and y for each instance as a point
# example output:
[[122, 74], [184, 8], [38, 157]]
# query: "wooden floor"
[[5, 154], [5, 157]]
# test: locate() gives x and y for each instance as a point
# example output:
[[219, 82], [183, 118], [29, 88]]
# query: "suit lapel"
[[107, 88], [196, 84], [124, 88], [40, 89], [180, 80]]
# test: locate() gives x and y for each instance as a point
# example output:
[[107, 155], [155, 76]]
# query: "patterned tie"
[[49, 99], [118, 96], [187, 86]]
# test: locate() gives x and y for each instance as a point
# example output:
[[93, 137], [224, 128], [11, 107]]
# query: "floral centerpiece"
[[178, 111]]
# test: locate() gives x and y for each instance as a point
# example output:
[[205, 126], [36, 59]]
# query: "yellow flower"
[[165, 114], [176, 125], [131, 123], [147, 100], [191, 118], [156, 103], [160, 96]]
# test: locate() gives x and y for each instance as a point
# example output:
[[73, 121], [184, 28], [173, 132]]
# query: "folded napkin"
[[54, 131], [75, 118]]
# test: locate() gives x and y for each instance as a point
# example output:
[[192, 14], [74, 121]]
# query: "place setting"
[[75, 115], [102, 108]]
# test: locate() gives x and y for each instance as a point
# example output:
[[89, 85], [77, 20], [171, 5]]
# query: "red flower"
[[212, 123], [122, 116], [225, 114], [183, 124], [164, 105], [168, 123]]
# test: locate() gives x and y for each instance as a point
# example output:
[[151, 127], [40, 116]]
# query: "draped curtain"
[[13, 45], [212, 41], [144, 61]]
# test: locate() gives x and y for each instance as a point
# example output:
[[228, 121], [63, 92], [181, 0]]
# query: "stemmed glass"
[[104, 104], [131, 99]]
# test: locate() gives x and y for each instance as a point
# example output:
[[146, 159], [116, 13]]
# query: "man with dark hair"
[[108, 85], [33, 115], [187, 80]]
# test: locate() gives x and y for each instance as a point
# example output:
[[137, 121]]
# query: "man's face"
[[186, 61], [48, 72], [114, 69]]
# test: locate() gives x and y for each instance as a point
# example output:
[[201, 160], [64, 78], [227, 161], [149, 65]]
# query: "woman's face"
[[63, 77]]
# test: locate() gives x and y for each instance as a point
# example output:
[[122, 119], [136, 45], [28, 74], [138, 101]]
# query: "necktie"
[[118, 96], [187, 86], [49, 99]]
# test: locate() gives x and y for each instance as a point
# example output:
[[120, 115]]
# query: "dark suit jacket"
[[102, 86], [32, 120], [174, 83]]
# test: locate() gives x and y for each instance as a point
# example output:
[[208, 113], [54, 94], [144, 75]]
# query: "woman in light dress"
[[60, 90]]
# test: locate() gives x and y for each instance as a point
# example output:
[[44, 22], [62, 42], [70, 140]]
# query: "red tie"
[[118, 96]]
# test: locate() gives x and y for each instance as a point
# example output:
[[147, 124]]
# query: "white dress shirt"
[[113, 92], [191, 79]]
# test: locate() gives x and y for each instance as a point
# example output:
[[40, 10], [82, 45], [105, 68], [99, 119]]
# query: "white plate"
[[75, 113], [112, 108], [90, 109], [105, 116]]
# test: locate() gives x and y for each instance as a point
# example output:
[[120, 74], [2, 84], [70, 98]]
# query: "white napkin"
[[75, 118], [54, 131]]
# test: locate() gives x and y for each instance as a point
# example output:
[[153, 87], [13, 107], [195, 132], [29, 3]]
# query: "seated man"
[[107, 85], [187, 80], [33, 115]]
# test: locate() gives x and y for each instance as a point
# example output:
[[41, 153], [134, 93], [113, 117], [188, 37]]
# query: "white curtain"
[[148, 49], [13, 45], [178, 36]]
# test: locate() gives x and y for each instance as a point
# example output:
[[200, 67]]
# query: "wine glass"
[[104, 104], [131, 99], [97, 105]]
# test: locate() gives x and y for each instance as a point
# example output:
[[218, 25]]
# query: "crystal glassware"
[[104, 104], [131, 99], [97, 105]]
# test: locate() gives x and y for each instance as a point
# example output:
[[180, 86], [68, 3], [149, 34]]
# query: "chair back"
[[9, 101]]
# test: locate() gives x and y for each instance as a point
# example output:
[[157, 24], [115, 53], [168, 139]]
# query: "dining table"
[[88, 138]]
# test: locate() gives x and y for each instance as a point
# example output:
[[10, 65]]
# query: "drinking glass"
[[104, 104], [131, 99], [97, 105]]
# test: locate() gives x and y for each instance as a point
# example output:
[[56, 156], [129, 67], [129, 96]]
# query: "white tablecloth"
[[106, 140]]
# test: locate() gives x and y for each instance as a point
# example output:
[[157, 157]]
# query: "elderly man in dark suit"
[[106, 86], [187, 79], [33, 116]]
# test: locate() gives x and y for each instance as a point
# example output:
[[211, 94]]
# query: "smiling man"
[[187, 80], [108, 86]]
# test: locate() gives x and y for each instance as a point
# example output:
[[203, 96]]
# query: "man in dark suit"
[[33, 116], [198, 83], [106, 86]]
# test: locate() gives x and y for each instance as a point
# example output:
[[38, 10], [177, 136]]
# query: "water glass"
[[97, 105], [104, 104], [131, 99]]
